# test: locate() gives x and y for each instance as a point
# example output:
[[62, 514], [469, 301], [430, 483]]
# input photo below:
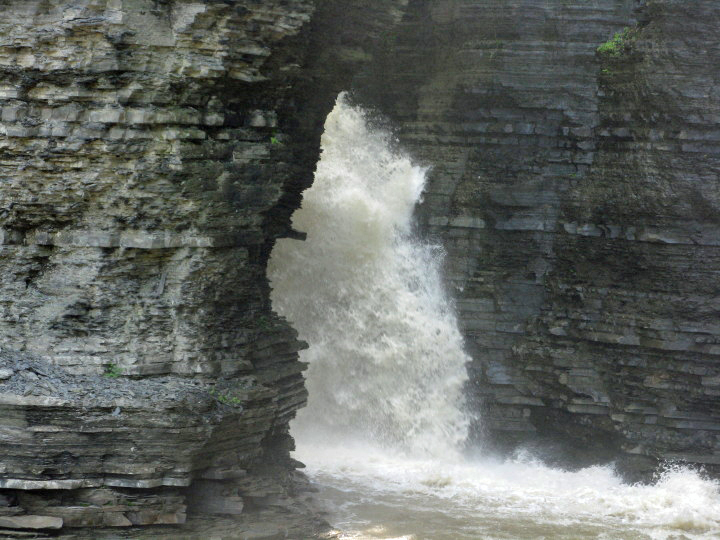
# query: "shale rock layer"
[[151, 153], [153, 150], [575, 186]]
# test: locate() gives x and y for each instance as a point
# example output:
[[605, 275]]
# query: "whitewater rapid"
[[383, 431]]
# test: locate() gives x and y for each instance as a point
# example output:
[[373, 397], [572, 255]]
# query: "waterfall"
[[385, 416], [386, 360]]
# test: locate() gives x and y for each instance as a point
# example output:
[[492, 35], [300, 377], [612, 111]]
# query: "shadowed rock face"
[[577, 194], [152, 152]]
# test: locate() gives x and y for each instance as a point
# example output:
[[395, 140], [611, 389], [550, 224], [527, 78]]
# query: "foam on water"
[[488, 493], [385, 415]]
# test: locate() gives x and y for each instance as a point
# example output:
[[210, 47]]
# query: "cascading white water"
[[386, 362], [385, 418]]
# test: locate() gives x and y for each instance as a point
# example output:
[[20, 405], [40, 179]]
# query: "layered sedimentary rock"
[[152, 150], [138, 189], [151, 153], [575, 187], [142, 159]]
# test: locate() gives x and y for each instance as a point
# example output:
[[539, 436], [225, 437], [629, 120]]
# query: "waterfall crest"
[[386, 360]]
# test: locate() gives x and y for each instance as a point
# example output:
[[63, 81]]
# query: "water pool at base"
[[369, 495]]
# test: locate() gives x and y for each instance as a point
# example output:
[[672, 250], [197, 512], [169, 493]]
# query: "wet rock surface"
[[576, 193], [268, 524]]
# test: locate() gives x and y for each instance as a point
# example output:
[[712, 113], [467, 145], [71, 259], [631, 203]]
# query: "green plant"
[[112, 371], [615, 47], [274, 139], [226, 399]]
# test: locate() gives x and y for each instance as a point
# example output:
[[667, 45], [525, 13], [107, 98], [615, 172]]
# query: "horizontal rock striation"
[[141, 173], [151, 153], [108, 451], [153, 150], [575, 188]]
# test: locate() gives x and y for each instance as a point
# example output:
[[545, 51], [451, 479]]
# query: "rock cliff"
[[575, 186], [152, 151]]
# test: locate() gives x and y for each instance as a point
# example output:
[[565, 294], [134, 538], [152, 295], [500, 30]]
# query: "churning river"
[[385, 421]]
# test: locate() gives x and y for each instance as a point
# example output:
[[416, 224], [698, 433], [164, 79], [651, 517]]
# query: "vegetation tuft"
[[112, 371], [615, 47], [226, 399]]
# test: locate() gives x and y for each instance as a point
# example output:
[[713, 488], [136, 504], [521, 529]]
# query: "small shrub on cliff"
[[615, 47], [226, 398], [112, 371]]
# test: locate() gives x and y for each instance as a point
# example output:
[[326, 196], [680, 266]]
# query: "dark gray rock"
[[577, 195], [152, 152]]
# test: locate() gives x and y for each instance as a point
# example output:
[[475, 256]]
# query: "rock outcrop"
[[575, 160], [152, 152]]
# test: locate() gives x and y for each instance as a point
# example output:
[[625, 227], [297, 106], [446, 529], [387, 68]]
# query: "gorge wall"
[[575, 188], [153, 150], [151, 153]]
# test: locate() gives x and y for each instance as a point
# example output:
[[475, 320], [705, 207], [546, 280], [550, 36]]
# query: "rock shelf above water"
[[111, 451]]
